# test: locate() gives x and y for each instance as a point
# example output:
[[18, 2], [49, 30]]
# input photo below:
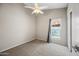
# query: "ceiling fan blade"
[[34, 12], [43, 7], [41, 12], [29, 7]]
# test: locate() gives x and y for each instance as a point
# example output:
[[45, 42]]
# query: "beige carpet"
[[39, 48]]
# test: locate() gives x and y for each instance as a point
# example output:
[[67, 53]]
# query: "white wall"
[[75, 23], [43, 23], [17, 25]]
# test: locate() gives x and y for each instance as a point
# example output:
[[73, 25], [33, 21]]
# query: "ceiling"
[[48, 5]]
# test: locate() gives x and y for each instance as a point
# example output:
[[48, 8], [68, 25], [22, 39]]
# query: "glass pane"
[[55, 28]]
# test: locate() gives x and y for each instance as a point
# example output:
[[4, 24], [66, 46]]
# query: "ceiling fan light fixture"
[[36, 9]]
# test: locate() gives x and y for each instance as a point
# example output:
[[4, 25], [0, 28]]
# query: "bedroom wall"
[[43, 23], [75, 23], [17, 25]]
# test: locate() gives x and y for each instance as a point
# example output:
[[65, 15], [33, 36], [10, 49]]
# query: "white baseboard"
[[16, 45]]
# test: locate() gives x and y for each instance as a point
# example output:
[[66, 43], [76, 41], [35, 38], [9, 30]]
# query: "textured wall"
[[17, 25], [43, 21]]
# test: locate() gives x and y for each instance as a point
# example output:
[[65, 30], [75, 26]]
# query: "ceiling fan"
[[36, 9]]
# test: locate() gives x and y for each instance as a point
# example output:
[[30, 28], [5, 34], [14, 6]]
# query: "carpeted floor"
[[39, 48]]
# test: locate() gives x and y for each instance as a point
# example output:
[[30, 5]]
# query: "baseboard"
[[16, 45], [41, 40]]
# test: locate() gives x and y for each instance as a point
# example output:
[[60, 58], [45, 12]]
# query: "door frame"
[[69, 29]]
